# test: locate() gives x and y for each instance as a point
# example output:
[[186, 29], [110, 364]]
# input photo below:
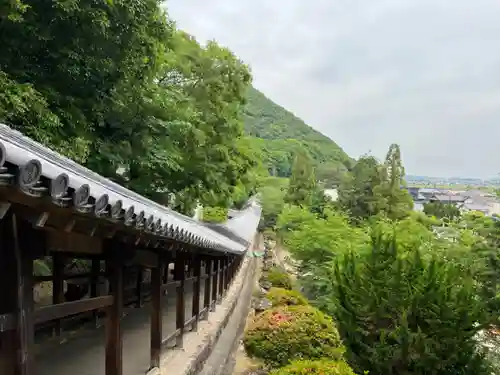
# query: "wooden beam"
[[114, 339], [196, 290], [74, 242], [145, 258], [62, 310], [156, 314], [180, 311]]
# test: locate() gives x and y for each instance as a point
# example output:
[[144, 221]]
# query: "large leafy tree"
[[115, 86], [356, 193]]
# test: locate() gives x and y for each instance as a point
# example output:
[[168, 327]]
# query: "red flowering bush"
[[287, 333], [321, 367]]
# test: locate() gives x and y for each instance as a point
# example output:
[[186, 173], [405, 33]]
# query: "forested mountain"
[[279, 133]]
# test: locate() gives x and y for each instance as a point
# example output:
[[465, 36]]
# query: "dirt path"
[[281, 255]]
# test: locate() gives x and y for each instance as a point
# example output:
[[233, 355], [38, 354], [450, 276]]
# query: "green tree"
[[356, 192], [393, 199], [302, 182], [442, 210], [395, 312]]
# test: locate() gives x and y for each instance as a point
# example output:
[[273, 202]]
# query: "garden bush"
[[285, 297], [321, 367], [286, 333], [278, 278], [214, 214]]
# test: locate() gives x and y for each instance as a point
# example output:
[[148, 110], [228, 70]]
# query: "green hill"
[[279, 132]]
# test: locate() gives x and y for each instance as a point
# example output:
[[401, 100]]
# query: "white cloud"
[[424, 74]]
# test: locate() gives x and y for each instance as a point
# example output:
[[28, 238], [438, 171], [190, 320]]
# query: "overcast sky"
[[367, 73]]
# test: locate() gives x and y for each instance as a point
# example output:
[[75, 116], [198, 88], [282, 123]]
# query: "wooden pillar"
[[226, 274], [114, 339], [180, 312], [140, 275], [23, 243], [8, 298], [58, 261], [215, 287], [95, 270], [157, 276], [222, 265], [206, 292], [196, 290]]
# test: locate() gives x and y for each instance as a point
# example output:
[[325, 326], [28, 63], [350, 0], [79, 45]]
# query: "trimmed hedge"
[[284, 297], [321, 367], [278, 278], [286, 333]]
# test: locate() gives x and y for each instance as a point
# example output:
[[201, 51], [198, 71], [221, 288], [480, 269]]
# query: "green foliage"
[[278, 278], [315, 241], [214, 214], [302, 182], [395, 311], [271, 196], [285, 297], [374, 188], [356, 194], [442, 210], [287, 333], [319, 367], [280, 134], [394, 201], [115, 86]]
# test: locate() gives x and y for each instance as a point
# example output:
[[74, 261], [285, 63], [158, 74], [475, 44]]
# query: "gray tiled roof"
[[75, 185]]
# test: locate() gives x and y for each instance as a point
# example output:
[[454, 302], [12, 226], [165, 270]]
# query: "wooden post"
[[140, 275], [8, 298], [25, 301], [214, 284], [226, 274], [95, 270], [180, 313], [206, 292], [18, 241], [196, 290], [114, 340], [157, 276], [222, 265], [58, 261]]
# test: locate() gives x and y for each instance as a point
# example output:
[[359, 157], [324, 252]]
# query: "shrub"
[[322, 367], [400, 313], [286, 333], [278, 278], [214, 214], [284, 297]]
